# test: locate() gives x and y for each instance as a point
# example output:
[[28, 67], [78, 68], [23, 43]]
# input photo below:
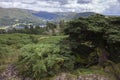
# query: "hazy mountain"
[[56, 16], [46, 15], [12, 15], [84, 14], [9, 16]]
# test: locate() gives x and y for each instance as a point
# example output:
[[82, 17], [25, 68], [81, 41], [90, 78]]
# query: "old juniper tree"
[[94, 39]]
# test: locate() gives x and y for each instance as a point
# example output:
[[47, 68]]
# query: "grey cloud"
[[63, 2], [60, 1], [118, 0], [26, 2], [84, 1], [115, 10], [10, 0], [99, 6]]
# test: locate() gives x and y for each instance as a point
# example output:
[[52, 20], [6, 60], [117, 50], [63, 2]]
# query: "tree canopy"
[[94, 39]]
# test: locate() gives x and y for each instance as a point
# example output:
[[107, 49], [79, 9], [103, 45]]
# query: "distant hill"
[[56, 16], [84, 14], [11, 15], [46, 15]]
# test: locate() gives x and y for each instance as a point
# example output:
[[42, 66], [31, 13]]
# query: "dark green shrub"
[[34, 39]]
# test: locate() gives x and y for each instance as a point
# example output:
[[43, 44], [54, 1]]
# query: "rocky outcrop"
[[65, 76], [11, 74]]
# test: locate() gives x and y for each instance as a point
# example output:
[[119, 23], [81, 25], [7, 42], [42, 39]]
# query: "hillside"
[[11, 15], [46, 15], [56, 16], [84, 14]]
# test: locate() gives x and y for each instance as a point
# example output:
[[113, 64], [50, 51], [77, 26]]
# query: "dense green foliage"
[[22, 49], [95, 39], [9, 47], [43, 60]]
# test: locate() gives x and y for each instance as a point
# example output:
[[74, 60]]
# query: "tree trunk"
[[102, 54]]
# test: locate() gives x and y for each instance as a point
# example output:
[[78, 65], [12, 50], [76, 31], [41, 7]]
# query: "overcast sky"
[[99, 6]]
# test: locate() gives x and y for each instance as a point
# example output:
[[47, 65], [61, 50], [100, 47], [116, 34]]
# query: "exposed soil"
[[84, 77], [11, 74]]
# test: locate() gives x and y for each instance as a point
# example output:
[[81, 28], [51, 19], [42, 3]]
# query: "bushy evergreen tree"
[[94, 39]]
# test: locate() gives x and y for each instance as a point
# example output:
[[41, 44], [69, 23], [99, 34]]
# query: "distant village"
[[18, 26]]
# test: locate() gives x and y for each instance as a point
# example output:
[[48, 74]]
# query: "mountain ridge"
[[17, 15], [10, 16], [56, 16]]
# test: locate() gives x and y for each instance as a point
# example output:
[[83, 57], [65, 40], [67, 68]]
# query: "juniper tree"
[[96, 36]]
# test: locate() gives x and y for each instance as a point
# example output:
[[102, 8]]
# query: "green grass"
[[51, 39], [2, 68], [86, 71], [92, 71], [9, 48]]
